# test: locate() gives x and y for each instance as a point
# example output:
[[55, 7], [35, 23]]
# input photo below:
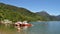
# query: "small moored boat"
[[22, 24]]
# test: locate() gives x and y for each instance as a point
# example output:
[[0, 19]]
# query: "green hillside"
[[14, 13]]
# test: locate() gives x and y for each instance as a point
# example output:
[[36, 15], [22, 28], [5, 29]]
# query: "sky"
[[50, 6]]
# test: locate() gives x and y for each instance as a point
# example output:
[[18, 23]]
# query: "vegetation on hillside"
[[14, 13]]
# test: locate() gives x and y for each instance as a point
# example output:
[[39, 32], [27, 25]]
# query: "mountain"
[[43, 13], [14, 13], [58, 17], [48, 17]]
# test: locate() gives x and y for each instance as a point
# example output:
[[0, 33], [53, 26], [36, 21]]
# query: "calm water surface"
[[49, 27]]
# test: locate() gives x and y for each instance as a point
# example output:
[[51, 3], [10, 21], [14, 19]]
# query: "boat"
[[22, 24]]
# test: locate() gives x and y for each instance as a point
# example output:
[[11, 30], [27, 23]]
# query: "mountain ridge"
[[51, 17], [14, 14], [11, 12]]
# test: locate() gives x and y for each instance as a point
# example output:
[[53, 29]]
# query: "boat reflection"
[[22, 28], [22, 25]]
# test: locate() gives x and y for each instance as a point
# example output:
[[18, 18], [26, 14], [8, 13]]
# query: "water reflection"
[[22, 28], [12, 30], [38, 28]]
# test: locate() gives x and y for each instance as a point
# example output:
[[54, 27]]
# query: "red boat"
[[20, 24], [26, 24]]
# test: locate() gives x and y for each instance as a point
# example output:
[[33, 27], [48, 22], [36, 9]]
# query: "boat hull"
[[22, 25]]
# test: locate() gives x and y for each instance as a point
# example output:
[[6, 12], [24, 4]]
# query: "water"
[[49, 27]]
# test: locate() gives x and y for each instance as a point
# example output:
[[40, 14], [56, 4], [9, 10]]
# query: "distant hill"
[[48, 17], [43, 13], [58, 17]]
